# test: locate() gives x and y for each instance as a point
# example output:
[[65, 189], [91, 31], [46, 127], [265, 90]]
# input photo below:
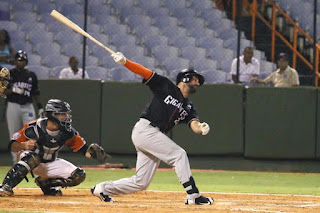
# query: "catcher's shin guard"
[[15, 175]]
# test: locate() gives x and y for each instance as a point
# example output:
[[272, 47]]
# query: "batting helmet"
[[21, 56], [56, 106], [186, 76]]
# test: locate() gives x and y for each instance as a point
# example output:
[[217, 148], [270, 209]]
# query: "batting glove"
[[17, 90], [204, 127], [119, 58]]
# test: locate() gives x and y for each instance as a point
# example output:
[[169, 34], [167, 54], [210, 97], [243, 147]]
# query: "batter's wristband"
[[39, 106]]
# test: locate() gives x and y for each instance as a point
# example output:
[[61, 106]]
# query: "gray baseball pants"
[[152, 147], [17, 116]]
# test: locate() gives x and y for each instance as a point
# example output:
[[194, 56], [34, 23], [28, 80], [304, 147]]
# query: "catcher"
[[4, 79], [39, 142]]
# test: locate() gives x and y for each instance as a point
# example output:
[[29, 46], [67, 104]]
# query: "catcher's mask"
[[56, 107], [4, 77], [21, 56], [186, 76]]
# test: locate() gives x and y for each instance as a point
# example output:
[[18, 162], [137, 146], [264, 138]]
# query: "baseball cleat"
[[5, 190], [200, 201], [105, 198]]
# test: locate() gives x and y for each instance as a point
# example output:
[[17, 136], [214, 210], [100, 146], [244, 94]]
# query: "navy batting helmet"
[[186, 76], [21, 56], [56, 106]]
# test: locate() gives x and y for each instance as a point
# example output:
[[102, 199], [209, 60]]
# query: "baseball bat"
[[78, 29]]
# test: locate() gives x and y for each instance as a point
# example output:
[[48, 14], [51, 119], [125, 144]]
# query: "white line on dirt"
[[257, 210], [228, 193]]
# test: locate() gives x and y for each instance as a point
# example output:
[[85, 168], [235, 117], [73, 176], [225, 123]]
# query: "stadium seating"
[[131, 51], [193, 53], [121, 73], [146, 61], [45, 49], [150, 4], [162, 52], [41, 71], [214, 76], [98, 73], [205, 64]]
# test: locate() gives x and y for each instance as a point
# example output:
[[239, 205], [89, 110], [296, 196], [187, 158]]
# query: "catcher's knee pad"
[[77, 177], [30, 161]]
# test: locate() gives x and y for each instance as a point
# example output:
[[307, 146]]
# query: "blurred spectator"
[[284, 76], [249, 67], [73, 72], [22, 89], [6, 50]]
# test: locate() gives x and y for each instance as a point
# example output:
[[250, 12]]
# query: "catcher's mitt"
[[4, 79], [98, 153]]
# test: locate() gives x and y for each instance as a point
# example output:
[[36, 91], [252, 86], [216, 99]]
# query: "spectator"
[[249, 67], [22, 88], [73, 72], [284, 76], [6, 50]]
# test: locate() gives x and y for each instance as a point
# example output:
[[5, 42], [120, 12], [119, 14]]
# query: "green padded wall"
[[122, 105], [84, 97], [318, 126], [280, 123], [221, 107]]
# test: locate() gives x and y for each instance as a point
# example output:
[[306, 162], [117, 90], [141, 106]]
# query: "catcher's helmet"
[[21, 56], [56, 106], [186, 76]]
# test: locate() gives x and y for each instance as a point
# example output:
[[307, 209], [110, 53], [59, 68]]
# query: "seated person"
[[284, 76], [73, 72]]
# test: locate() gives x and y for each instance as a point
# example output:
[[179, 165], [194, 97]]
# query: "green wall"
[[122, 105], [280, 123], [274, 123], [221, 107]]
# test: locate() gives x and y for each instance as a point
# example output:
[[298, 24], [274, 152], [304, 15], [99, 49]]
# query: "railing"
[[296, 29]]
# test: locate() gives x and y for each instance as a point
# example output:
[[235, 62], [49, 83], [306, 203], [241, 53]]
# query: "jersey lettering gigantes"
[[168, 106]]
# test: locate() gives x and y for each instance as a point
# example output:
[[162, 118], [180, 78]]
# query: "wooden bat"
[[78, 29]]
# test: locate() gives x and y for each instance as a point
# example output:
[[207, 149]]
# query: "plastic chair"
[[138, 20], [183, 41], [165, 21], [161, 53], [151, 41], [175, 4], [150, 4], [200, 32], [210, 43], [41, 71], [131, 51], [193, 53], [214, 77], [55, 60], [176, 64], [146, 61], [205, 64], [45, 49], [156, 12], [96, 72], [174, 31], [34, 60]]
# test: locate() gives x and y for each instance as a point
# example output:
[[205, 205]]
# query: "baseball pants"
[[58, 168], [152, 147], [17, 116]]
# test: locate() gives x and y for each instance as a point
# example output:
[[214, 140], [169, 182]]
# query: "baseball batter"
[[39, 142], [169, 107], [22, 88]]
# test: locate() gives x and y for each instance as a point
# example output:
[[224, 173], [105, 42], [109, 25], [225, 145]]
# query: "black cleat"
[[5, 190], [200, 201], [102, 197]]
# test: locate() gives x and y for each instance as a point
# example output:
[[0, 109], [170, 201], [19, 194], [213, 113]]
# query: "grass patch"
[[210, 181]]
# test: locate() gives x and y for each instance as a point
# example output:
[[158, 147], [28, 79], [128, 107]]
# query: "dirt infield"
[[79, 200]]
